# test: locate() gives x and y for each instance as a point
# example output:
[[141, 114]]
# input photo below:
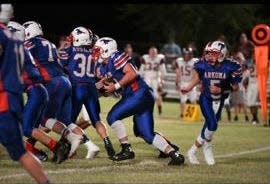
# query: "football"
[[103, 82]]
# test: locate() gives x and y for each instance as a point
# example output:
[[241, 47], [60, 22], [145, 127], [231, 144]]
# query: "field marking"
[[243, 152], [142, 163], [92, 169]]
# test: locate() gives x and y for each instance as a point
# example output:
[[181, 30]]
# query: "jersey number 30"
[[85, 66]]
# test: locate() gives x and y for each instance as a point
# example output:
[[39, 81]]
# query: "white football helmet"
[[218, 48], [32, 29], [17, 28], [81, 36], [104, 48], [6, 12]]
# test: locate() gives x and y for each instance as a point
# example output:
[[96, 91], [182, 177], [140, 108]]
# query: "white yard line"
[[243, 152], [142, 163], [92, 169]]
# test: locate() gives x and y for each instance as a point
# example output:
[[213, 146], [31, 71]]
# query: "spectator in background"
[[223, 38], [171, 51], [193, 46], [135, 57], [238, 97], [250, 83], [245, 46]]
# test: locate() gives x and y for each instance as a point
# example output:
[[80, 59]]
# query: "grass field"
[[242, 155]]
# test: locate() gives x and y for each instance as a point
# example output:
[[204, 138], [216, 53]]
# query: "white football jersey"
[[152, 67], [185, 68]]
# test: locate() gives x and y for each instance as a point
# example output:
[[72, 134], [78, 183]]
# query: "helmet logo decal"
[[78, 31], [222, 46], [105, 41]]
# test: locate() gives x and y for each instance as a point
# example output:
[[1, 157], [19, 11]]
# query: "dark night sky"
[[57, 19]]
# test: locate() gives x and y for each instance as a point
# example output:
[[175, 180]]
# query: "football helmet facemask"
[[103, 49], [215, 51]]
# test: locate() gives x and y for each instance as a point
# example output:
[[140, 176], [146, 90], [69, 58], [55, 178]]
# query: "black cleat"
[[42, 156], [176, 158], [125, 154], [109, 147], [164, 155], [61, 151]]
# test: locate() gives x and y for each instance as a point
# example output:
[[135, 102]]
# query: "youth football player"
[[218, 76]]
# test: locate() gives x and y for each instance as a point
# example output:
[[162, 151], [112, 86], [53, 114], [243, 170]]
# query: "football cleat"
[[92, 150], [42, 156], [192, 157], [164, 155], [109, 147], [176, 158], [61, 151], [208, 153], [125, 154]]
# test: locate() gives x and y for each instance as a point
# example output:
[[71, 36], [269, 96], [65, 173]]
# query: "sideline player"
[[184, 67]]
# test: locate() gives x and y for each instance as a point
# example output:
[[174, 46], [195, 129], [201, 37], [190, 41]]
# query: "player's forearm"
[[128, 77], [195, 80]]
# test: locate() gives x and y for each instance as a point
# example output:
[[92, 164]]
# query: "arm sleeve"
[[120, 61]]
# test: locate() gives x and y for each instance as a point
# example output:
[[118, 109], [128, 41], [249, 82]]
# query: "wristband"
[[117, 86]]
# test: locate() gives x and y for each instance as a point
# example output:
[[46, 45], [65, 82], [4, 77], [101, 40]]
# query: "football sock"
[[119, 129], [31, 148], [160, 143], [51, 145]]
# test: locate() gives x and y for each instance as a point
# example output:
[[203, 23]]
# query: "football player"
[[153, 70], [137, 101], [81, 70], [218, 76], [37, 100], [11, 101], [57, 84], [184, 66]]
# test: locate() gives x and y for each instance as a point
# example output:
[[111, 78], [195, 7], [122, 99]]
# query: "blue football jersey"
[[11, 61], [114, 69], [79, 64], [223, 75], [45, 56]]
